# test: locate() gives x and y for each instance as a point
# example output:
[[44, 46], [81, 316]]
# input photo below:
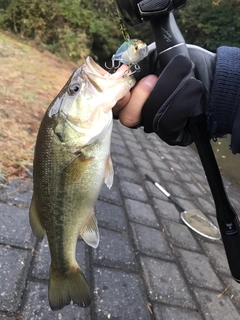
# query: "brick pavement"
[[148, 266]]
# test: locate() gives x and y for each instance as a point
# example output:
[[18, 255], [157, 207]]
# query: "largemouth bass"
[[71, 163]]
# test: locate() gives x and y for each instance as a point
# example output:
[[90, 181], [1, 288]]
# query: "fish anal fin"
[[89, 232], [35, 223], [109, 173], [68, 287]]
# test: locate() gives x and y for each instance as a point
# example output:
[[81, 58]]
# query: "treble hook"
[[113, 67], [137, 68]]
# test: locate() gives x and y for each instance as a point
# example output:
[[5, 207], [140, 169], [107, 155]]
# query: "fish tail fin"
[[68, 287]]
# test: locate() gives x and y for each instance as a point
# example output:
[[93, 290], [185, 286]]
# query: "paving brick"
[[42, 259], [180, 235], [152, 154], [194, 190], [178, 190], [129, 136], [233, 290], [166, 210], [194, 167], [167, 156], [4, 317], [183, 176], [133, 145], [207, 189], [182, 158], [112, 195], [165, 312], [115, 132], [186, 203], [167, 176], [118, 141], [142, 163], [123, 161], [117, 149], [36, 306], [206, 206], [151, 241], [14, 227], [175, 166], [14, 264], [190, 154], [198, 270], [144, 171], [161, 164], [118, 295], [141, 136], [133, 191], [200, 177], [160, 146], [138, 154], [123, 129], [177, 150], [141, 213], [215, 308], [18, 192], [110, 216], [114, 250], [217, 256], [127, 174], [165, 283]]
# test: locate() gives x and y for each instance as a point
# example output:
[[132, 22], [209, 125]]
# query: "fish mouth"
[[93, 69], [101, 83]]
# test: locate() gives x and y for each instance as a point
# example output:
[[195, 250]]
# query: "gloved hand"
[[177, 93]]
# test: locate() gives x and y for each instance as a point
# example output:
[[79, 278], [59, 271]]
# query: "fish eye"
[[73, 88], [136, 48]]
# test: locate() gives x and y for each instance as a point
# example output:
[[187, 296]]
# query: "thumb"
[[130, 115]]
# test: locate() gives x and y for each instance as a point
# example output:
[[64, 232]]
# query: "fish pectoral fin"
[[109, 173], [89, 232], [35, 223], [76, 168], [68, 287]]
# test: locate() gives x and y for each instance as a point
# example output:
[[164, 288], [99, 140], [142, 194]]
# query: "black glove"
[[177, 94]]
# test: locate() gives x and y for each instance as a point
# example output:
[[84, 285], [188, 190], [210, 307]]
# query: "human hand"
[[129, 109]]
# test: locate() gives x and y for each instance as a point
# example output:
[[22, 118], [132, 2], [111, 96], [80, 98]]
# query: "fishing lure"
[[131, 52]]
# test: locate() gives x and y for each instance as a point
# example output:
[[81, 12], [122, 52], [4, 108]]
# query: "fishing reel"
[[137, 11]]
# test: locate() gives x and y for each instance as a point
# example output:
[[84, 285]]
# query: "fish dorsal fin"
[[109, 173], [89, 232], [36, 225]]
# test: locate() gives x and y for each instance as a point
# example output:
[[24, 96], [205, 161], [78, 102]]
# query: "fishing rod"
[[160, 15]]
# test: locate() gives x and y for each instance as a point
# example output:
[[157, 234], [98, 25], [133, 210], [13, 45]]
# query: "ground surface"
[[29, 80]]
